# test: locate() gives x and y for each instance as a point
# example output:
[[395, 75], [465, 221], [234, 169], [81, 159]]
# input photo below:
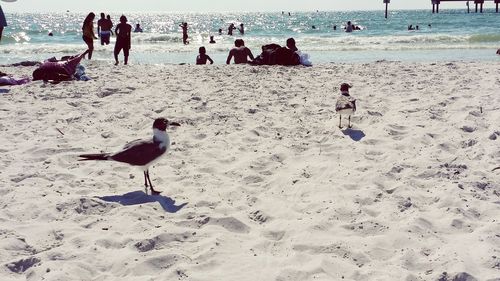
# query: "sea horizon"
[[452, 35]]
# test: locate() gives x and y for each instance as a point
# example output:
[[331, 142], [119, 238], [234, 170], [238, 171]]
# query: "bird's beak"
[[173, 124]]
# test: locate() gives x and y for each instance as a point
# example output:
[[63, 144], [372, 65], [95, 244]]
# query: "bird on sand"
[[141, 153], [346, 105]]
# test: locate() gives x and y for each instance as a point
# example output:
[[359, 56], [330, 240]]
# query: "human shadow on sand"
[[139, 197], [355, 135]]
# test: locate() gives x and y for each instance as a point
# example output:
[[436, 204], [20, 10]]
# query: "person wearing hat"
[[346, 105]]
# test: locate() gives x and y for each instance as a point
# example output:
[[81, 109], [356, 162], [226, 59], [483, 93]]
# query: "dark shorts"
[[120, 45]]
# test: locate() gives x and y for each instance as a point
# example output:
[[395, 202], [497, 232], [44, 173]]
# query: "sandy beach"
[[260, 183]]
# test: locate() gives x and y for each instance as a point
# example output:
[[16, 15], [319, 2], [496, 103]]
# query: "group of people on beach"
[[230, 29], [104, 28]]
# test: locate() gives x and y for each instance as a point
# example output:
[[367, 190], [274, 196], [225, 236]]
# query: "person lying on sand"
[[58, 70], [6, 80]]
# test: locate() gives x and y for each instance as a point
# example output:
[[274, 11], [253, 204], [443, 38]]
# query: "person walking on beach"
[[104, 29], [184, 27], [239, 52], [122, 31], [203, 57], [88, 33]]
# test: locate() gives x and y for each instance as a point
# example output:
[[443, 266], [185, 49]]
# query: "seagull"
[[346, 105], [141, 153]]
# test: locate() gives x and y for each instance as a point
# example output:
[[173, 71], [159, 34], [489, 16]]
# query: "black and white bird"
[[141, 153], [346, 105]]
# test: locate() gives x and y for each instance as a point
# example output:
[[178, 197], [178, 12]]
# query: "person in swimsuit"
[[88, 33], [239, 52], [123, 30], [203, 57], [104, 29]]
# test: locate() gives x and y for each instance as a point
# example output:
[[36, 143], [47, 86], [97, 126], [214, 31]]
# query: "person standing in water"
[[122, 31], [184, 27], [88, 33], [242, 29], [104, 29], [230, 29]]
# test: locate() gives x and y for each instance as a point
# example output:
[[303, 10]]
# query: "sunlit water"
[[453, 35]]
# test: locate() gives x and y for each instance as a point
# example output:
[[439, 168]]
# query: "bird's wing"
[[139, 153], [132, 143]]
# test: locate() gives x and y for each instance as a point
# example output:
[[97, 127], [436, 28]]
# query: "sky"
[[215, 5]]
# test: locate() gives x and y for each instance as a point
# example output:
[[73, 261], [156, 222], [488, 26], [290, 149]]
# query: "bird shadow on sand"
[[355, 135], [139, 197]]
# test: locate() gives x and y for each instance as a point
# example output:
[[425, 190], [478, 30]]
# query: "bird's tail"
[[99, 156]]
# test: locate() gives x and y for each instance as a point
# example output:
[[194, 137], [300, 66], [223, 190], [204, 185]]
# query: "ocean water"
[[452, 35]]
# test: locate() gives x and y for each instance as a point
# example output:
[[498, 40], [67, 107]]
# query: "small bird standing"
[[346, 105], [141, 153]]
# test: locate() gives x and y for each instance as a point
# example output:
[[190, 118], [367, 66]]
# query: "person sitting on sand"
[[58, 70], [203, 57], [212, 41], [239, 52], [122, 31]]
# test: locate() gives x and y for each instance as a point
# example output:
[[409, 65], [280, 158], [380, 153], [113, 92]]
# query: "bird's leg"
[[153, 192], [349, 126], [145, 183], [340, 121]]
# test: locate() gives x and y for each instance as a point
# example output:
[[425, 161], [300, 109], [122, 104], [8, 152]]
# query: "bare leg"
[[126, 60], [116, 53], [1, 30], [145, 183], [153, 192], [349, 126], [340, 121]]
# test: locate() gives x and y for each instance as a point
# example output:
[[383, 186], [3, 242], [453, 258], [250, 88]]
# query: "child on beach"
[[203, 57], [123, 30]]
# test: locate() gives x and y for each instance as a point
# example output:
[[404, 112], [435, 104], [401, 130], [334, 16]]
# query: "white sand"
[[274, 190]]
